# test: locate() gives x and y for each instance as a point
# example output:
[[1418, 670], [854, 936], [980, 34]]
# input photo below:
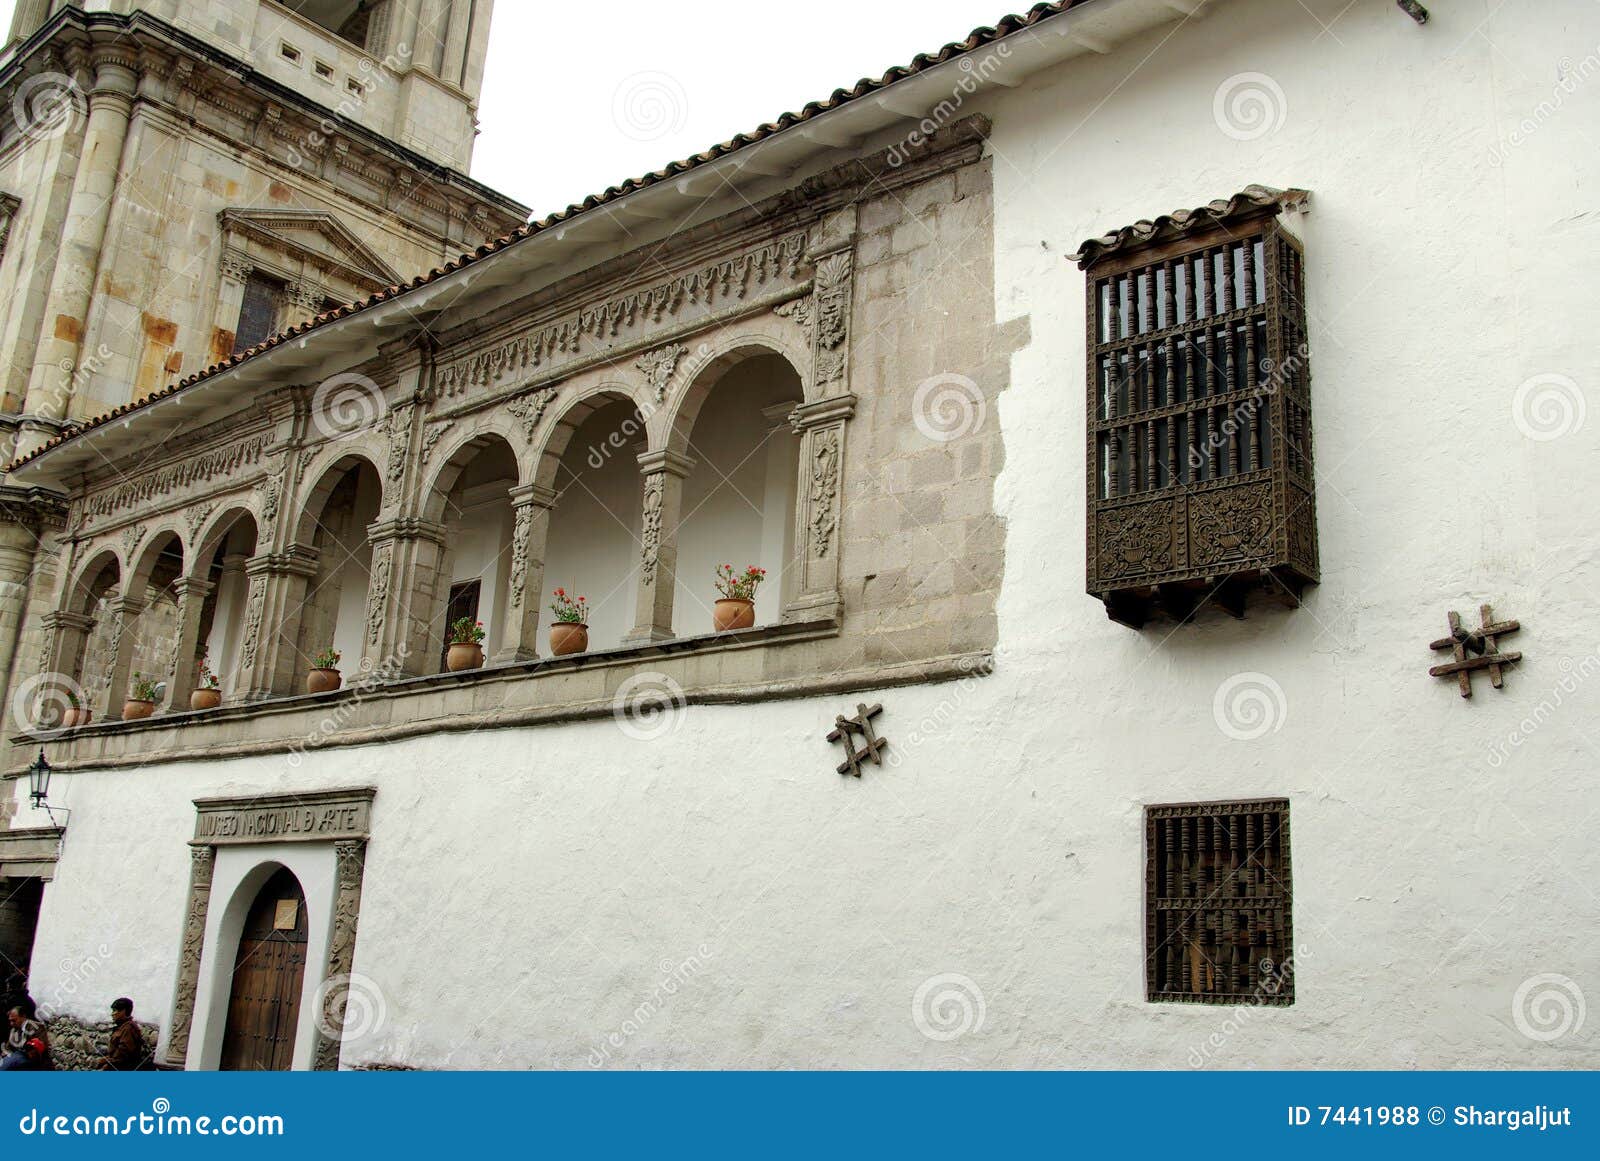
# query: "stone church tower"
[[181, 179]]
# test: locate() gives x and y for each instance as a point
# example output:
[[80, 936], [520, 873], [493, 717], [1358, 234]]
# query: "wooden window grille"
[[1200, 480], [1218, 922]]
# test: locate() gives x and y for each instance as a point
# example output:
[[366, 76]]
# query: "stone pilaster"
[[335, 991], [113, 690], [530, 536], [269, 662], [201, 865], [404, 631], [664, 472], [821, 426], [115, 80], [236, 270], [183, 669]]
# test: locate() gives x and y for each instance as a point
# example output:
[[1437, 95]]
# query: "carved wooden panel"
[[1218, 892], [1199, 399]]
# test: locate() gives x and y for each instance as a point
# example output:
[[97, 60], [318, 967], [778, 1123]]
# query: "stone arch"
[[739, 497], [225, 546], [145, 560], [332, 530], [706, 367], [589, 470], [575, 412], [492, 423], [463, 452], [102, 572], [327, 471], [220, 525], [466, 573]]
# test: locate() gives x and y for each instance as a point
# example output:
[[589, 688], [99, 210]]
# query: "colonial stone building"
[[1129, 405]]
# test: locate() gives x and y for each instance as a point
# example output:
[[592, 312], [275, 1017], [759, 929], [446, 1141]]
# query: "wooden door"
[[268, 973]]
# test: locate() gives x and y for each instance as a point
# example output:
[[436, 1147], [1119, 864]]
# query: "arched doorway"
[[268, 974]]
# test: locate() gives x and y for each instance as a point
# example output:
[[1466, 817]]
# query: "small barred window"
[[1199, 458], [1218, 925]]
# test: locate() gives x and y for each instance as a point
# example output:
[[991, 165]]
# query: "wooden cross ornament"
[[845, 729], [1481, 642]]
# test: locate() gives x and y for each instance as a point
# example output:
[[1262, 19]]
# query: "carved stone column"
[[525, 588], [269, 661], [124, 611], [335, 990], [202, 863], [405, 621], [182, 671], [114, 81], [664, 473], [821, 426], [65, 635]]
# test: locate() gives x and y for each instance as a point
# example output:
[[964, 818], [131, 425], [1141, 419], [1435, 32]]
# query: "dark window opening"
[[258, 313], [463, 603]]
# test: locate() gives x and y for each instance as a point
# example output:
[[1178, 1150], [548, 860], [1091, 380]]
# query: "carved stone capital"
[[821, 412], [666, 460], [296, 560], [405, 528], [534, 495]]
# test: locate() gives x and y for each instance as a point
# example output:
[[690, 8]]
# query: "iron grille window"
[[258, 313], [1218, 923], [1199, 457]]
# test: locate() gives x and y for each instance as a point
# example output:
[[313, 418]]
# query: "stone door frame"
[[336, 821]]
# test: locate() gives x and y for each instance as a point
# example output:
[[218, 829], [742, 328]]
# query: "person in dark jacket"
[[27, 1046], [126, 1051]]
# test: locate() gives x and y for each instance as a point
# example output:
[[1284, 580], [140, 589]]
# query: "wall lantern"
[[39, 781]]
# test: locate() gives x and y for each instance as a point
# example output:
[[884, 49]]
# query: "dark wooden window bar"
[[1200, 480], [1218, 924]]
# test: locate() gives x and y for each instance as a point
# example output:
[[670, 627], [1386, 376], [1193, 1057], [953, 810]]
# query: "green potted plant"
[[466, 645], [324, 676], [570, 631], [142, 698], [736, 608], [208, 689]]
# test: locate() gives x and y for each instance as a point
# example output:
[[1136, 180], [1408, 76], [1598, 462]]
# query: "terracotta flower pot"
[[733, 613], [568, 637], [323, 680], [463, 655], [205, 698], [136, 707], [72, 716]]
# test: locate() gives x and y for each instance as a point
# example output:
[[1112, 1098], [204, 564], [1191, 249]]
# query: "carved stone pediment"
[[311, 237]]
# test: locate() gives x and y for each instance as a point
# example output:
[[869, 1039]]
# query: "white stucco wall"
[[718, 896]]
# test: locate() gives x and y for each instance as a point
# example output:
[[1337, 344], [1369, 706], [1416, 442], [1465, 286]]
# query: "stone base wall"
[[76, 1046]]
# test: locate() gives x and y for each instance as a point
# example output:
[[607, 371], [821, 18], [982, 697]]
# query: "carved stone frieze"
[[727, 279], [225, 461]]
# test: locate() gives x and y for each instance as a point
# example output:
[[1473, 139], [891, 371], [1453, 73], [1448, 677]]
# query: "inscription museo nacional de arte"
[[323, 816]]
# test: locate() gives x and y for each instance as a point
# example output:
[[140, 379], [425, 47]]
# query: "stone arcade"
[[864, 348]]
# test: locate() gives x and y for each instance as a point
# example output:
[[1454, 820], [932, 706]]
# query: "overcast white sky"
[[579, 97]]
